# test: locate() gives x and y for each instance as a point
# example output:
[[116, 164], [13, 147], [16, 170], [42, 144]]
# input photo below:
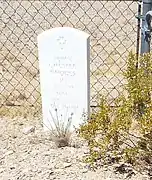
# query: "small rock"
[[84, 170], [50, 174], [14, 136], [2, 170], [12, 167], [21, 124], [52, 177], [67, 165], [28, 130], [9, 153]]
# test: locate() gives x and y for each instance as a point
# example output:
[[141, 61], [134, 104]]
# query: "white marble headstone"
[[64, 75]]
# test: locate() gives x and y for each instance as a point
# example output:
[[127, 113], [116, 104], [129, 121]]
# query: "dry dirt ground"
[[33, 156], [26, 155]]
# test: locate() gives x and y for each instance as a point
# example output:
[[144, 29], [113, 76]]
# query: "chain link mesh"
[[111, 24]]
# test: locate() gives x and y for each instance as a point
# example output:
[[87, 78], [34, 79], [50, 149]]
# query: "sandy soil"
[[33, 156]]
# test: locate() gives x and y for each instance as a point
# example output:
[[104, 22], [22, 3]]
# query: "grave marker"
[[64, 75]]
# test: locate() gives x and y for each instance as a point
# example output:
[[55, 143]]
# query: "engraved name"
[[63, 72]]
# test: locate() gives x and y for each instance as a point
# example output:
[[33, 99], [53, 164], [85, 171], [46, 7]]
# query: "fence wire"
[[112, 26]]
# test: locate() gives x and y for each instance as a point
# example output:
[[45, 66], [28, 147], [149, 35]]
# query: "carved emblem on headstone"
[[61, 41]]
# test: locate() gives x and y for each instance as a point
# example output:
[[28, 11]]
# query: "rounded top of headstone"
[[65, 30]]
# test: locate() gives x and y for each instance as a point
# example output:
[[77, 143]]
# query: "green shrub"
[[124, 131]]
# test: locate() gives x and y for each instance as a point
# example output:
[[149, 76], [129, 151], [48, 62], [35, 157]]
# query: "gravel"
[[34, 156]]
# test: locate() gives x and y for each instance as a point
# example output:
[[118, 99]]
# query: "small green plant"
[[124, 131], [60, 129]]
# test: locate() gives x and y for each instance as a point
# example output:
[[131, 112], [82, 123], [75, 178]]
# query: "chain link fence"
[[111, 24]]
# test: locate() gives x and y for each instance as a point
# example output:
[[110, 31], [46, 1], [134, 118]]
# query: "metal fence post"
[[146, 28], [145, 40]]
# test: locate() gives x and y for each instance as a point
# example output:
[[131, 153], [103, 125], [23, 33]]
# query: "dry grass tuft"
[[60, 130]]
